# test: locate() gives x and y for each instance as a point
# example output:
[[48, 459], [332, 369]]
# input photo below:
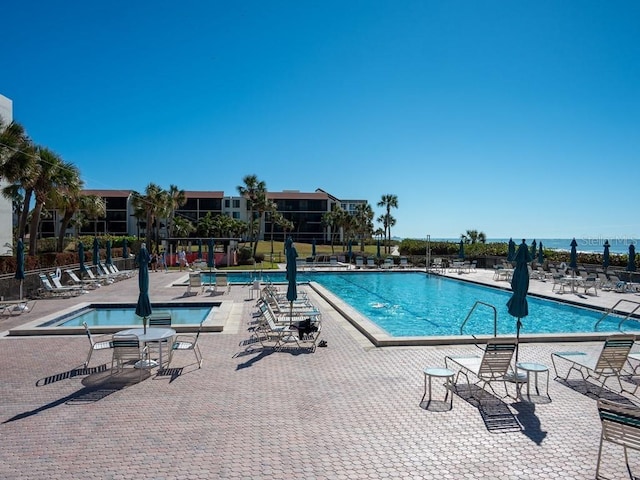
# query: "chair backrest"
[[497, 357], [160, 320], [370, 262], [126, 347], [55, 280], [45, 282], [620, 423], [221, 280], [359, 261], [614, 353], [73, 276]]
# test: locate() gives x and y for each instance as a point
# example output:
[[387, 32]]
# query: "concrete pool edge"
[[379, 338], [214, 322]]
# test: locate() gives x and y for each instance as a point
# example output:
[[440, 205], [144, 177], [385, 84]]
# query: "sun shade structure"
[[292, 288], [573, 258], [143, 307], [210, 251], [96, 251], [511, 253], [108, 260], [534, 250], [540, 254], [631, 263], [199, 249], [461, 250], [517, 304], [82, 267], [605, 255], [313, 247]]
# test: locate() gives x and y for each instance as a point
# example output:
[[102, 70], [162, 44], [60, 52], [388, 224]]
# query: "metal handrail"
[[612, 310], [495, 317]]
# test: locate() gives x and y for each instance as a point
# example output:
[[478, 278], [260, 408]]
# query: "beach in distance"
[[617, 245]]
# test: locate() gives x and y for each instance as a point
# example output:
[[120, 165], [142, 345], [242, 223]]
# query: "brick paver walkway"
[[348, 411]]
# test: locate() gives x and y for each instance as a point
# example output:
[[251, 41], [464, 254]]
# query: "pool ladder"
[[613, 309], [495, 317]]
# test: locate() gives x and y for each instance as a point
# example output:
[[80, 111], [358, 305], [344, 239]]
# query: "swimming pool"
[[414, 304], [113, 316]]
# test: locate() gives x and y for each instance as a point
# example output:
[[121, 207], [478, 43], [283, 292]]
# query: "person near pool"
[[182, 258]]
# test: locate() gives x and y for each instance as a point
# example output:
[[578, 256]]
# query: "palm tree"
[[331, 222], [206, 226], [90, 207], [154, 205], [363, 222], [52, 175], [177, 198], [251, 190], [67, 198], [473, 236], [19, 166], [388, 201]]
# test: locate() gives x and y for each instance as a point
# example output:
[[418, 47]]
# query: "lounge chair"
[[388, 263], [223, 281], [15, 307], [371, 263], [89, 283], [195, 283], [607, 364], [99, 343], [404, 263], [590, 283], [493, 366], [55, 279], [359, 262], [48, 290], [103, 278], [621, 426]]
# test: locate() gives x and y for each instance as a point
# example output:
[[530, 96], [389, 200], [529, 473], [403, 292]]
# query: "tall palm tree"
[[331, 223], [19, 166], [52, 175], [67, 198], [90, 207], [153, 203], [363, 222], [250, 190], [177, 198], [388, 201]]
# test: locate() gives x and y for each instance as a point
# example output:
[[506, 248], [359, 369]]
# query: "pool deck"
[[348, 411]]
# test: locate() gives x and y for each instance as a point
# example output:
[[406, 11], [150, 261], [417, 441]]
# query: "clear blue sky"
[[517, 118]]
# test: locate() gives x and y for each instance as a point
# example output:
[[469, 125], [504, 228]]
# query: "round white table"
[[535, 368], [438, 372], [152, 334]]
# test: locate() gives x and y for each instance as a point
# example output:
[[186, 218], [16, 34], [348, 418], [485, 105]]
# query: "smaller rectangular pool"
[[111, 317]]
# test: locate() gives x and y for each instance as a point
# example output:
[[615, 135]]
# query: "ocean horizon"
[[617, 245]]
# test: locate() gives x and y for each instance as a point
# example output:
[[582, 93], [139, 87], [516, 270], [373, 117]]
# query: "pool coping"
[[214, 322]]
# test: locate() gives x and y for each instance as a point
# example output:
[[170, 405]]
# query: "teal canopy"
[[631, 263], [540, 254], [517, 304], [143, 307], [83, 268], [511, 253], [461, 250], [96, 251], [605, 255], [534, 251], [108, 260], [199, 249], [20, 264], [211, 261], [573, 259]]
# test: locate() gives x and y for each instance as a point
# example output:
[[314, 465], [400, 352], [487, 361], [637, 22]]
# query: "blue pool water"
[[101, 315], [415, 304]]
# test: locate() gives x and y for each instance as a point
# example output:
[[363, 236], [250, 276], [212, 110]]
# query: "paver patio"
[[348, 411]]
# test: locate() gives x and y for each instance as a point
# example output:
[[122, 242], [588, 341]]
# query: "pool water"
[[416, 304], [124, 315]]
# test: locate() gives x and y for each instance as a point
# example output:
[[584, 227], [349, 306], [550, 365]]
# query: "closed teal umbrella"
[[20, 265], [96, 251], [573, 258], [313, 247], [605, 255], [461, 250], [199, 249], [517, 304], [143, 307], [511, 253], [378, 249], [292, 272], [349, 251], [211, 261], [540, 254], [108, 259], [125, 249], [533, 249], [631, 263]]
